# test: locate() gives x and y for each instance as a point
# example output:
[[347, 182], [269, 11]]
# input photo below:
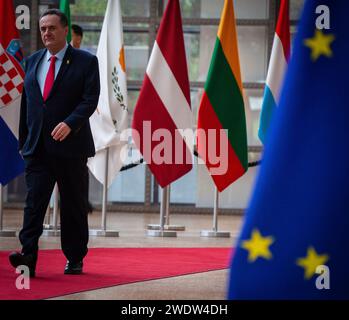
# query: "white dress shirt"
[[45, 65]]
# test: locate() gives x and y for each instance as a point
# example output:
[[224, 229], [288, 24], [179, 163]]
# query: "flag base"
[[51, 233], [104, 233], [50, 227], [170, 227], [161, 233], [215, 234], [7, 233]]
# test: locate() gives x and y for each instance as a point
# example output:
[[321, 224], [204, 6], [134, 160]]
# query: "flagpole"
[[47, 224], [163, 209], [162, 232], [55, 207], [53, 230], [215, 210], [47, 221], [103, 232], [4, 233], [214, 233], [168, 202], [105, 192], [167, 225]]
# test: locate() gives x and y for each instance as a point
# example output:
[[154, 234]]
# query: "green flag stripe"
[[227, 102], [64, 7]]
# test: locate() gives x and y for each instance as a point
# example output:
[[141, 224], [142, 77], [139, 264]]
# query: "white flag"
[[110, 118]]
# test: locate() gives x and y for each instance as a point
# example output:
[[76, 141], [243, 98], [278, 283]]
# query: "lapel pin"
[[68, 61]]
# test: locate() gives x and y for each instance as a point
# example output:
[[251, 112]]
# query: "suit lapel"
[[64, 67]]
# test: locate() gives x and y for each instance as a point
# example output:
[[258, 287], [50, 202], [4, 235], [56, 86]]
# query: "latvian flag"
[[163, 112], [11, 86], [277, 68]]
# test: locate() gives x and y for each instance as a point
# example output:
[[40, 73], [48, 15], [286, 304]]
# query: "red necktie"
[[50, 78]]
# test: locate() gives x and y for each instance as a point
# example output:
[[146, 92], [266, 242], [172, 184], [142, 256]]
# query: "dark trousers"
[[71, 174]]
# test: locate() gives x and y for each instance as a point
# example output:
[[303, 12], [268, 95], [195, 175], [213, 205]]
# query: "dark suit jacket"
[[72, 100]]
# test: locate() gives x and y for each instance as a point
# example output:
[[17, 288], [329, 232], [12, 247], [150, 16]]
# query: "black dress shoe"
[[73, 267], [20, 259]]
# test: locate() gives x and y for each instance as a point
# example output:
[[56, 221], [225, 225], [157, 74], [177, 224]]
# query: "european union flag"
[[295, 239]]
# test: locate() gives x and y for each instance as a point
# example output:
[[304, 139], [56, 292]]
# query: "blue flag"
[[295, 238]]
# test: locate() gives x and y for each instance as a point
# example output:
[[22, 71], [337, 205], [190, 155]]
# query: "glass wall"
[[256, 21]]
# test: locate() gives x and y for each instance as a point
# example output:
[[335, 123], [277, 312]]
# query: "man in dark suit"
[[61, 91]]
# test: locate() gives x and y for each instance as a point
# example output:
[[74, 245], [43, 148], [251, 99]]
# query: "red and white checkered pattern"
[[11, 81]]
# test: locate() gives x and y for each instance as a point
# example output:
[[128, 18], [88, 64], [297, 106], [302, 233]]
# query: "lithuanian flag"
[[221, 138]]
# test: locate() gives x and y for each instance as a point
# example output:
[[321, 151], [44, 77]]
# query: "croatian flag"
[[277, 68], [11, 85]]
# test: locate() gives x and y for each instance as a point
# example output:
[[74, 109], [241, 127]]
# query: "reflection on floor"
[[132, 231]]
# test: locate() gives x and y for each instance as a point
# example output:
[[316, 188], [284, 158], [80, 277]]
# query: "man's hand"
[[61, 132]]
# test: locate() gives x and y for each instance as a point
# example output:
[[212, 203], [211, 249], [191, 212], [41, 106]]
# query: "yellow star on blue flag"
[[301, 196], [258, 246], [320, 44], [311, 262]]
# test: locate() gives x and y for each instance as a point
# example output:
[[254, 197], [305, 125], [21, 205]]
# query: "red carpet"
[[109, 267]]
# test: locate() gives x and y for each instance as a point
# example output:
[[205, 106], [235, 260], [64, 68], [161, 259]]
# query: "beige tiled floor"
[[132, 228]]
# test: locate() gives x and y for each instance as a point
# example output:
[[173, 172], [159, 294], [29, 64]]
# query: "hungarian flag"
[[280, 55], [64, 7], [163, 111], [111, 117], [11, 86], [221, 121]]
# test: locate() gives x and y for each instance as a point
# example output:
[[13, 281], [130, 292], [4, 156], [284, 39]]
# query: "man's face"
[[76, 40], [53, 34]]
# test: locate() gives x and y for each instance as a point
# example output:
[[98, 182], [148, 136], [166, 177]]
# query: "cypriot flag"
[[110, 118]]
